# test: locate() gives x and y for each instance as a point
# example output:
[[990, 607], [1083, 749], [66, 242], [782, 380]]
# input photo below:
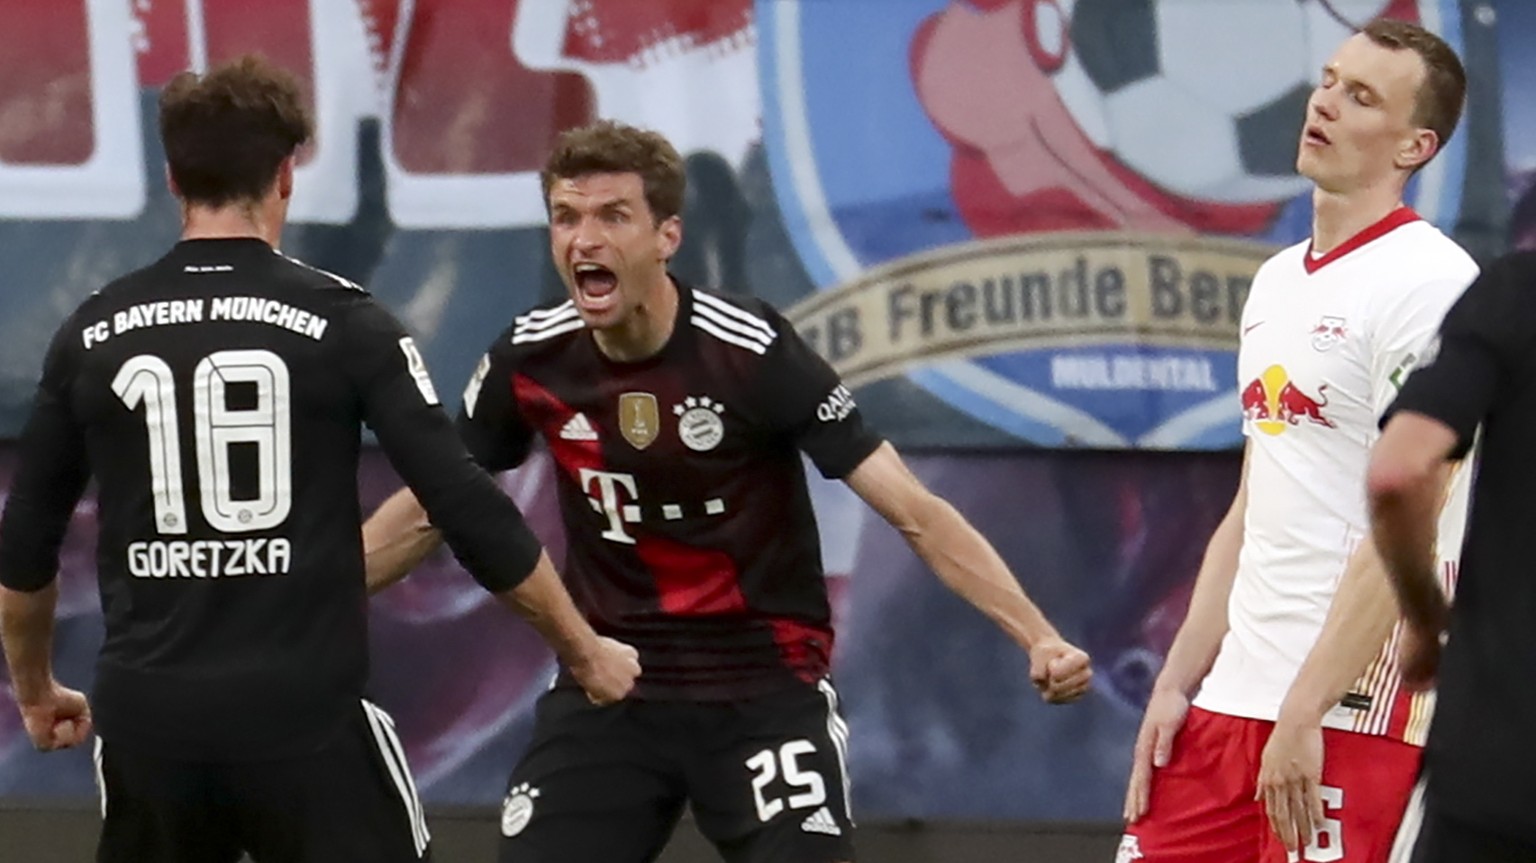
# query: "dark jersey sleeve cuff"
[[29, 547], [850, 456], [518, 553], [1453, 391], [25, 579]]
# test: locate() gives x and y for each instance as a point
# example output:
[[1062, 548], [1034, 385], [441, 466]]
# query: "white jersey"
[[1326, 343]]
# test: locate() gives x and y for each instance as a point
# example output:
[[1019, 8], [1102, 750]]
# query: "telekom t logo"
[[602, 489], [617, 496]]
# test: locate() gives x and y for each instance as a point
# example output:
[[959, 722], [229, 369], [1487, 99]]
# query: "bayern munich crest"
[[517, 809], [699, 424]]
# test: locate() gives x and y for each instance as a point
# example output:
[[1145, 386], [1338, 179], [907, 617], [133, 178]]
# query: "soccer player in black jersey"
[[217, 397], [1472, 395], [676, 418]]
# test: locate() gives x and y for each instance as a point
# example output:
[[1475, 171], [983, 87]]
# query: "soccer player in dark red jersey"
[[676, 418], [217, 396]]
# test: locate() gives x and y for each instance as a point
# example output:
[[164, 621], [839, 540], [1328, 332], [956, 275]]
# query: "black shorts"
[[766, 778], [353, 800], [1447, 840]]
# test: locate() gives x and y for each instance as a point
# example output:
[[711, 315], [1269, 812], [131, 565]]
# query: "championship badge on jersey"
[[639, 419]]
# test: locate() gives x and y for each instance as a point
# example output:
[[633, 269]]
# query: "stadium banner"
[[1169, 128], [971, 120], [1135, 319]]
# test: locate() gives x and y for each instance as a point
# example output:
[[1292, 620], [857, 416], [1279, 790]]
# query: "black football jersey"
[[217, 397], [690, 532]]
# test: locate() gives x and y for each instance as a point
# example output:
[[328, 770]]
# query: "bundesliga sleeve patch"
[[418, 369], [476, 381]]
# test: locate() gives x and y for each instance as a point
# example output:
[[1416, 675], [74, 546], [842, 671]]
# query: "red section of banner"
[[276, 29], [380, 19], [45, 86], [617, 31], [161, 39], [505, 122]]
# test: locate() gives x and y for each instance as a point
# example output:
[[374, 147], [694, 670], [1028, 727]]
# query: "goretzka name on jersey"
[[209, 558]]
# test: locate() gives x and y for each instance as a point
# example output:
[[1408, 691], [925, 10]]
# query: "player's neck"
[[1337, 216], [646, 330], [231, 221]]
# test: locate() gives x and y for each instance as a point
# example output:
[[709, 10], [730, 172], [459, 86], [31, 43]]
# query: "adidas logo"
[[578, 428], [821, 821]]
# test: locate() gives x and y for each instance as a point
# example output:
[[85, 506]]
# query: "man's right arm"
[[1192, 653], [396, 539], [400, 535], [50, 477], [605, 668], [1485, 344], [480, 523]]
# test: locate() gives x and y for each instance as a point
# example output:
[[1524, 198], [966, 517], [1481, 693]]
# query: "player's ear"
[[170, 182], [1418, 149], [285, 177], [669, 235]]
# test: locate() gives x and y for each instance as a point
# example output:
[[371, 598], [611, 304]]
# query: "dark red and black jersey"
[[689, 525]]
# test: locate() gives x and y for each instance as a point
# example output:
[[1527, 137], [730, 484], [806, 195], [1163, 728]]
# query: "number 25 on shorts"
[[810, 789]]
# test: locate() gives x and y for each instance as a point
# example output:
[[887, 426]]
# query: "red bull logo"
[[1329, 332], [1273, 402]]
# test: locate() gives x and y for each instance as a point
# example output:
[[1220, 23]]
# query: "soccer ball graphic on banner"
[[1203, 99]]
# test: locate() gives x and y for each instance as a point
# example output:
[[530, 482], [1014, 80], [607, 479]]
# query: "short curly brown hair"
[[609, 147], [227, 132]]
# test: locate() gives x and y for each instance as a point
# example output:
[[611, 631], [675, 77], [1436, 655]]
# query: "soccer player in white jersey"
[[1287, 649]]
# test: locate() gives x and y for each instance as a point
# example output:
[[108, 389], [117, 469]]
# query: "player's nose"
[[1322, 105], [587, 236]]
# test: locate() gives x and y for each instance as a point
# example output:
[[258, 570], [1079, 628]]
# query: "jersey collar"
[[1388, 223]]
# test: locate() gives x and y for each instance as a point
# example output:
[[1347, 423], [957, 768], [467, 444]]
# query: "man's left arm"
[[805, 400], [1404, 506], [968, 564], [50, 478]]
